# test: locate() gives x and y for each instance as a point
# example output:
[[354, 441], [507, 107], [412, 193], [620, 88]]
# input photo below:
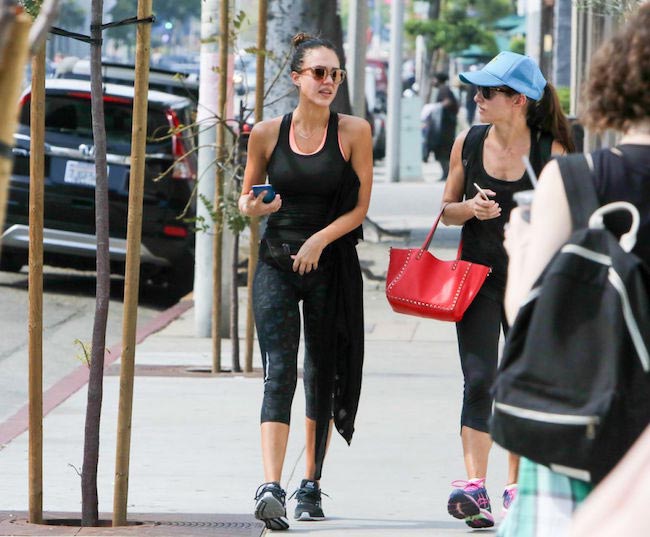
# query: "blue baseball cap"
[[516, 71]]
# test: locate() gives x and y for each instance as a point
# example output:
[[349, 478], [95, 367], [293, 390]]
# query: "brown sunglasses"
[[488, 92], [320, 73]]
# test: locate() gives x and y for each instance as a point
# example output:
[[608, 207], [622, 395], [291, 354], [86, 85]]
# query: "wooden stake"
[[35, 285], [11, 76], [255, 222], [132, 274], [217, 256]]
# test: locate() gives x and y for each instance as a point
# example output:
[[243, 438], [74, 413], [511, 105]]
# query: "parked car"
[[168, 81], [167, 246]]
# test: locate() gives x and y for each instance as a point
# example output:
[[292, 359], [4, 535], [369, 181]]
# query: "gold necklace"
[[305, 136]]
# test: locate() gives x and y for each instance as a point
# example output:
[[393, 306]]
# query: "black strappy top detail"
[[306, 183]]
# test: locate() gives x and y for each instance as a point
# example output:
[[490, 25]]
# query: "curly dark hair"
[[303, 42], [617, 94]]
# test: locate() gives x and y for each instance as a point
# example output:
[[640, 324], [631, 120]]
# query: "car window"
[[72, 115]]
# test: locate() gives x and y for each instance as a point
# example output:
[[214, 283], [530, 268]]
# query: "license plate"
[[80, 173]]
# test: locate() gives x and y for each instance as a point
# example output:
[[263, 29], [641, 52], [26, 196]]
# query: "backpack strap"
[[577, 176]]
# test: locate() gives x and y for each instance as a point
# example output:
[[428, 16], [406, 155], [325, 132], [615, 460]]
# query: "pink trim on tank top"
[[294, 145]]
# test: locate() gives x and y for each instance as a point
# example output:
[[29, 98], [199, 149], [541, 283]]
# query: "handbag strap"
[[429, 238]]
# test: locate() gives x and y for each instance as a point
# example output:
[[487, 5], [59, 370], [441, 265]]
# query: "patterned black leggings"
[[276, 295]]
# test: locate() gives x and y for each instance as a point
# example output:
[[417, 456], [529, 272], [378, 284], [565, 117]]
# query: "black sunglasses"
[[488, 92], [319, 73]]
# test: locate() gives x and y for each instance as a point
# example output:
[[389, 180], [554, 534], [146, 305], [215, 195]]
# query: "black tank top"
[[623, 174], [306, 183], [483, 239]]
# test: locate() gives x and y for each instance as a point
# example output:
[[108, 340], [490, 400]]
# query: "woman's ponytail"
[[546, 115]]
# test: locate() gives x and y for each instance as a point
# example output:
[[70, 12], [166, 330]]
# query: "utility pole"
[[356, 63], [394, 90], [207, 120], [255, 221]]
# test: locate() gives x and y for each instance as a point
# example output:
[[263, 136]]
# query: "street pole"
[[35, 285], [394, 90], [255, 222], [132, 274], [217, 257], [206, 120], [356, 63]]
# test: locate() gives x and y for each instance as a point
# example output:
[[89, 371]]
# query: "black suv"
[[167, 248]]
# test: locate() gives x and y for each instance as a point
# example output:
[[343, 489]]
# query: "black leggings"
[[276, 295], [478, 346]]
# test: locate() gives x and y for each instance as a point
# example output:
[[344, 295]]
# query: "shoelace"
[[276, 490], [469, 486], [302, 493]]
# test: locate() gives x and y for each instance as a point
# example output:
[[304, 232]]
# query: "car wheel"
[[179, 278], [11, 262]]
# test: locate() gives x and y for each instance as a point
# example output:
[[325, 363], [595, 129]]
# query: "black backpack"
[[573, 389]]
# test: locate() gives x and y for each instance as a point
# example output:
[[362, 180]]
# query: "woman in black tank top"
[[521, 117], [320, 165], [617, 97]]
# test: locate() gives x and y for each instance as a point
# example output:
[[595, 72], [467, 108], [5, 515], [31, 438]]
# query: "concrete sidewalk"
[[195, 452]]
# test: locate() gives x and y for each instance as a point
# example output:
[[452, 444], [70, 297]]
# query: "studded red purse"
[[418, 283]]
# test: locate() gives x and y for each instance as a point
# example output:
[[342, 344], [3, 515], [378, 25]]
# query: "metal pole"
[[132, 274], [394, 90], [217, 260], [35, 285], [356, 64], [206, 119], [255, 222]]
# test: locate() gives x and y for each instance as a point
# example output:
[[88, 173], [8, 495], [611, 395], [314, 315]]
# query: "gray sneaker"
[[309, 498], [270, 506]]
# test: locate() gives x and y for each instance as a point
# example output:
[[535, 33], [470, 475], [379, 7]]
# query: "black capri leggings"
[[276, 295], [478, 345]]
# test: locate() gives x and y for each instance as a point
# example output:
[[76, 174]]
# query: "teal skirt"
[[544, 504]]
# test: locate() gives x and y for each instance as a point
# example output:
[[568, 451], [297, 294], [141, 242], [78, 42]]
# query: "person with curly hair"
[[319, 163], [521, 117], [617, 97]]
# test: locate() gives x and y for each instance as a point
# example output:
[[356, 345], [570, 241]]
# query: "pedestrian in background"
[[622, 173], [320, 166], [522, 118], [446, 133]]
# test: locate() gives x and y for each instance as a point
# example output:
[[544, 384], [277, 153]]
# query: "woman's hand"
[[309, 254], [485, 209], [250, 205]]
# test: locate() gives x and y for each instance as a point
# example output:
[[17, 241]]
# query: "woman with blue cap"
[[521, 117]]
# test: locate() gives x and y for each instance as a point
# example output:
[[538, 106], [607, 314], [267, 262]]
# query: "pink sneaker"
[[509, 495], [470, 501]]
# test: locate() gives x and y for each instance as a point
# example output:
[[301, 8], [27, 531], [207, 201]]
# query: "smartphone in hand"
[[270, 193], [482, 192]]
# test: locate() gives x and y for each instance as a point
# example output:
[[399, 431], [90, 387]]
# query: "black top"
[[623, 174], [483, 239], [316, 189], [306, 183]]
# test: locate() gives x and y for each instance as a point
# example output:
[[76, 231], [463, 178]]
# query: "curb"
[[74, 381]]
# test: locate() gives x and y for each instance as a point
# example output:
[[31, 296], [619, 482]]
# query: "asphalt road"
[[68, 313]]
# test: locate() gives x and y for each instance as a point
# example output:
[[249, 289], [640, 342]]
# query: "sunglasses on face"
[[320, 73], [489, 92]]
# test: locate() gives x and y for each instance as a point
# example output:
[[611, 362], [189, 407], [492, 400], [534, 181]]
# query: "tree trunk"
[[89, 499], [234, 305], [287, 18]]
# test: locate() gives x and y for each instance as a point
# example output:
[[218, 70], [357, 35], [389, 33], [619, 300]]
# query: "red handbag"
[[418, 283]]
